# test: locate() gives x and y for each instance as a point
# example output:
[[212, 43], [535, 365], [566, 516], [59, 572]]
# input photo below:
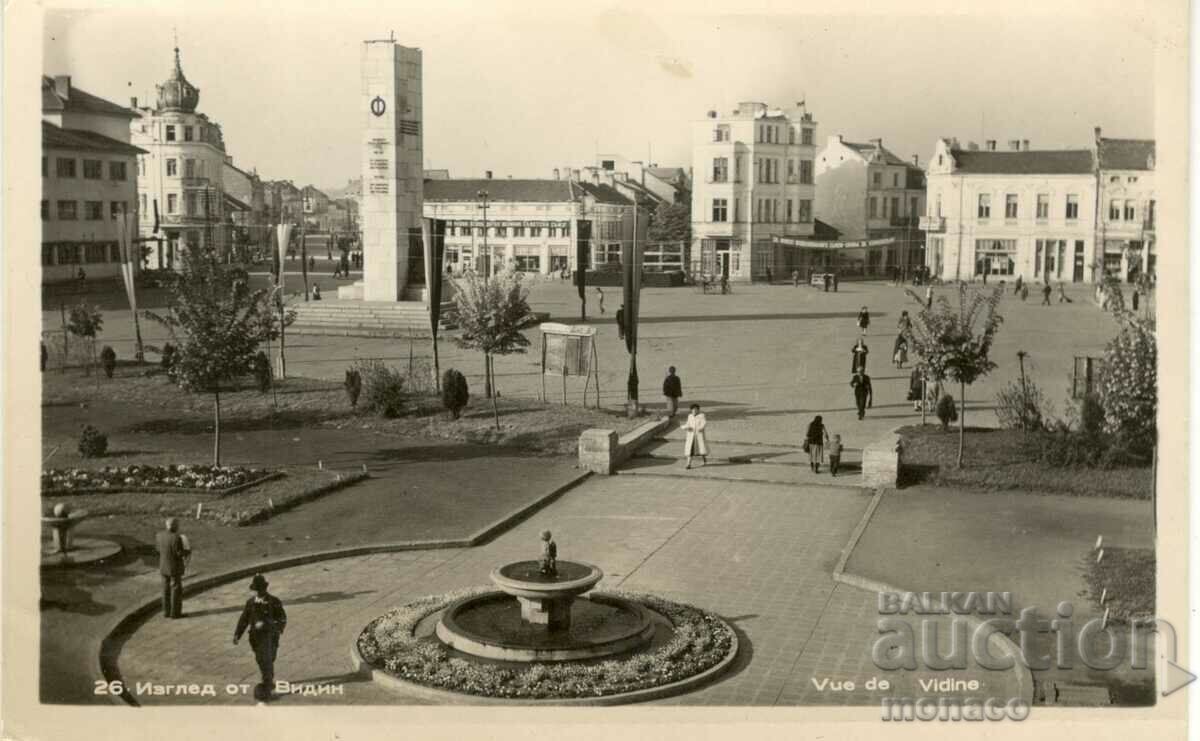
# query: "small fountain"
[[64, 549]]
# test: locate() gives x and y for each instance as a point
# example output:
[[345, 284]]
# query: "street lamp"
[[487, 264]]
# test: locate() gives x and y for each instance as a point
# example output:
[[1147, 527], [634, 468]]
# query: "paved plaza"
[[761, 556]]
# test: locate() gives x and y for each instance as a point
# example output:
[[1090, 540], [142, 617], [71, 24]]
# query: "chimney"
[[1097, 130], [556, 173], [991, 145], [62, 86], [1014, 145], [487, 174], [712, 114], [133, 103], [916, 160], [1024, 145]]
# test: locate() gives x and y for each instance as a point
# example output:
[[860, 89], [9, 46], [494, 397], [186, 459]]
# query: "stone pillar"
[[393, 179], [555, 614]]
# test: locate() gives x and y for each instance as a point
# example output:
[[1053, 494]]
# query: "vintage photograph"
[[636, 355]]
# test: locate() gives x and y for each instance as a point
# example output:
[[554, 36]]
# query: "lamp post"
[[482, 195]]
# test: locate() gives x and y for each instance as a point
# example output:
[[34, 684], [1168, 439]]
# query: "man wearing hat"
[[173, 553], [264, 616]]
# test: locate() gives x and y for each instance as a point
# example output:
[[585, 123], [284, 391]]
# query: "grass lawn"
[[253, 504], [1127, 575], [162, 407], [1006, 460]]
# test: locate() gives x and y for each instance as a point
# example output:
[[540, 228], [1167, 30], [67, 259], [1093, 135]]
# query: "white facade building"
[[753, 179], [1004, 214], [531, 225], [89, 177], [181, 174], [1126, 214]]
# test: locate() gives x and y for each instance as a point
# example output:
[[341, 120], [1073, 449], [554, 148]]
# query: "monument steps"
[[367, 319]]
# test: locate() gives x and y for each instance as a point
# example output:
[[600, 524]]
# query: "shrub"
[[1129, 384], [353, 385], [946, 411], [108, 360], [454, 392], [92, 442], [1022, 407], [168, 356], [261, 368], [1091, 416], [383, 387]]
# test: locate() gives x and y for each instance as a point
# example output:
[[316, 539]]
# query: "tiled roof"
[[530, 191], [1126, 154], [80, 101], [1042, 162], [866, 149], [237, 203], [609, 194], [54, 137], [668, 173]]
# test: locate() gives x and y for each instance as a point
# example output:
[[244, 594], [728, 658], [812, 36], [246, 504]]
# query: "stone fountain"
[[65, 549]]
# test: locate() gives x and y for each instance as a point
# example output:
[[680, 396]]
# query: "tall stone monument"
[[393, 178]]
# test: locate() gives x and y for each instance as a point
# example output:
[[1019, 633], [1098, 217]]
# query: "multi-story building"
[[1003, 214], [868, 193], [1125, 222], [753, 181], [246, 194], [531, 225], [180, 178], [88, 179]]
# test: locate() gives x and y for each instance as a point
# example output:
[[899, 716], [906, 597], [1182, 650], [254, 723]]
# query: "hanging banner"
[[127, 224], [435, 249], [631, 266], [283, 233], [583, 253], [810, 244]]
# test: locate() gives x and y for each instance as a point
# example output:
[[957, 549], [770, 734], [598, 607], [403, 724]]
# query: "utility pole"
[[482, 195]]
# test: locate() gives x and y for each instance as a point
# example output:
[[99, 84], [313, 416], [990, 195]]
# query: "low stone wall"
[[881, 461], [602, 451]]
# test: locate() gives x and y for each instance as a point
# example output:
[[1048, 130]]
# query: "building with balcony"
[[868, 193], [753, 180], [246, 199], [1125, 224], [88, 179], [999, 214], [530, 225], [181, 177]]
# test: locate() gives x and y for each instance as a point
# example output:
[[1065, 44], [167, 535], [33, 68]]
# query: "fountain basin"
[[493, 626], [546, 599]]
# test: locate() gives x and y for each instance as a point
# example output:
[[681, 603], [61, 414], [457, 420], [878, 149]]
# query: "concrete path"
[[759, 555], [732, 461]]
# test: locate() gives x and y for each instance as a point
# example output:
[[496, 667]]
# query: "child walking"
[[835, 454]]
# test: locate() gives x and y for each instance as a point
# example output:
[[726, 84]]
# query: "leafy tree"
[[1129, 383], [492, 314], [954, 344], [108, 360], [454, 392], [216, 324], [671, 222], [86, 322]]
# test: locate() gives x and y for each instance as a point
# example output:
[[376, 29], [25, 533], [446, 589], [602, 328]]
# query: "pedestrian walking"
[[929, 296], [724, 283], [905, 323], [600, 297], [672, 389], [621, 322], [316, 292], [900, 351], [337, 269], [1024, 292], [864, 320], [835, 282], [1046, 293], [1133, 298], [814, 443], [1062, 293], [173, 555], [858, 356], [265, 618], [795, 278], [312, 264], [861, 383], [916, 382], [769, 276], [1017, 286], [835, 454], [695, 443]]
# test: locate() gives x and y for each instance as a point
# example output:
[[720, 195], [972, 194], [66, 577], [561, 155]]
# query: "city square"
[[811, 410]]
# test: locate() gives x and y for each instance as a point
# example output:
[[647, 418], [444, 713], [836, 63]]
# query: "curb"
[[446, 697], [1005, 644], [772, 482], [124, 625]]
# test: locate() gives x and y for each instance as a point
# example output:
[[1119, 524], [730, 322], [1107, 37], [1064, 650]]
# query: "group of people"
[[262, 617]]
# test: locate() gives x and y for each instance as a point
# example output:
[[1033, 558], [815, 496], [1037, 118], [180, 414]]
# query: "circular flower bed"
[[151, 478], [701, 641]]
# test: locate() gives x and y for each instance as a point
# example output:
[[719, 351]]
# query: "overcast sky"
[[534, 88]]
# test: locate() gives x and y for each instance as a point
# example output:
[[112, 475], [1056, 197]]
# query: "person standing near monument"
[[265, 618], [695, 444], [672, 389], [173, 555]]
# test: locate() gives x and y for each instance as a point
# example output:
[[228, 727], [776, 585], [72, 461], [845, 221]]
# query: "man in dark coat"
[[861, 383], [621, 322], [264, 616], [173, 554], [672, 389]]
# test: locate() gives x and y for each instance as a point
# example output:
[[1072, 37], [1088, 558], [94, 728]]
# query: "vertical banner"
[[631, 267], [435, 249], [283, 233], [583, 254], [127, 257]]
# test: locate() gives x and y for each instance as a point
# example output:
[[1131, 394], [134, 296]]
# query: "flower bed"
[[218, 480], [701, 641]]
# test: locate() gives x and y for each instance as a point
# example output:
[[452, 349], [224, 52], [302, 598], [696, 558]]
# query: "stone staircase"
[[348, 318], [743, 462]]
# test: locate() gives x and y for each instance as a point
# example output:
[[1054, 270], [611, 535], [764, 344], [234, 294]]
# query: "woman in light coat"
[[695, 443]]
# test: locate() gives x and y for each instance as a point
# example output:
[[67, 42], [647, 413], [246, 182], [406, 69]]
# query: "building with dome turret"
[[180, 178]]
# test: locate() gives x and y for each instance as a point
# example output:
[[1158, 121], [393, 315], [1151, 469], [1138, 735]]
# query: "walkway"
[[760, 555]]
